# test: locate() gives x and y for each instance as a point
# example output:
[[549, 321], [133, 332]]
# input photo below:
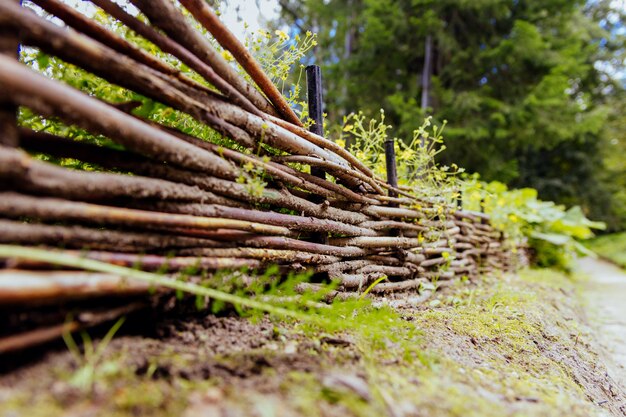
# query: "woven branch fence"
[[164, 192]]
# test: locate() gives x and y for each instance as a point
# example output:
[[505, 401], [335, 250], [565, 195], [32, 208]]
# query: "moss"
[[513, 345]]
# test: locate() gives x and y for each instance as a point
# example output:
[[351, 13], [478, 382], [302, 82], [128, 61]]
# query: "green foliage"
[[611, 247], [529, 88], [418, 169], [549, 229], [280, 57]]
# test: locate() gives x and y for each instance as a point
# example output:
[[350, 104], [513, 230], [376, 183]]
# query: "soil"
[[508, 346]]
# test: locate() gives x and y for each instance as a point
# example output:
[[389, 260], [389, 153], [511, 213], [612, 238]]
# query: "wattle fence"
[[166, 201]]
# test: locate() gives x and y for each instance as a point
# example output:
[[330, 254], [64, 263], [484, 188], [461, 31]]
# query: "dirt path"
[[605, 293]]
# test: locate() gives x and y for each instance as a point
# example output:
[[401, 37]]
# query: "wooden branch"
[[338, 171], [284, 256], [203, 14], [89, 27], [323, 143], [148, 262], [293, 222], [51, 98], [170, 46], [23, 287], [9, 45], [29, 174], [46, 143], [96, 239], [228, 119], [164, 15], [15, 205]]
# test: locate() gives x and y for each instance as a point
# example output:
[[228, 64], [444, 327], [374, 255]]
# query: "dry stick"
[[17, 205], [393, 212], [323, 143], [287, 175], [9, 45], [280, 242], [396, 271], [376, 242], [81, 237], [20, 287], [320, 187], [265, 255], [391, 224], [169, 46], [118, 68], [336, 170], [392, 200], [276, 242], [411, 284], [301, 223], [338, 189], [203, 14], [358, 281], [277, 198], [338, 267], [109, 158], [146, 262], [36, 176], [86, 319], [224, 207], [108, 64], [51, 98], [89, 27], [164, 15]]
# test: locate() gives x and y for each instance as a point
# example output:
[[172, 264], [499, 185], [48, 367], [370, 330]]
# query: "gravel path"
[[605, 293]]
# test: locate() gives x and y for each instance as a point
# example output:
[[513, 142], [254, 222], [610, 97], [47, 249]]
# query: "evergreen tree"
[[523, 84]]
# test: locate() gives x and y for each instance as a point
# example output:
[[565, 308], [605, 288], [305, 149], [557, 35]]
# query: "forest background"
[[533, 92]]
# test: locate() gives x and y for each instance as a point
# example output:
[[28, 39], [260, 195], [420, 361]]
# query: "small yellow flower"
[[227, 56], [282, 35], [248, 166]]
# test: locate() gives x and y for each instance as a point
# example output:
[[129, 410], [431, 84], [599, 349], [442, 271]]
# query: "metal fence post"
[[390, 160], [392, 175], [314, 98], [316, 104]]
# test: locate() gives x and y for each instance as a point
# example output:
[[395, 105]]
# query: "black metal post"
[[314, 97], [392, 175], [316, 104], [390, 159]]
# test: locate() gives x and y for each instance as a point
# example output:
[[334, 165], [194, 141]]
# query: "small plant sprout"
[[91, 365]]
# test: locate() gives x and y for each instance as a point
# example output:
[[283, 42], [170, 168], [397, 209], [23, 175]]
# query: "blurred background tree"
[[533, 91]]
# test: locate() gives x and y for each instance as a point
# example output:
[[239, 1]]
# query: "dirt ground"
[[605, 296], [511, 345]]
